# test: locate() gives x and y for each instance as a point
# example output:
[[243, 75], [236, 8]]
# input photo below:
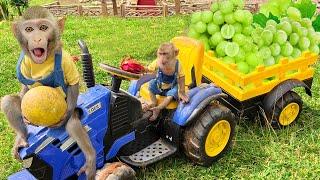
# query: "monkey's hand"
[[183, 97]]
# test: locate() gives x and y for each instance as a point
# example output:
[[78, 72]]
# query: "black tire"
[[279, 106], [196, 134]]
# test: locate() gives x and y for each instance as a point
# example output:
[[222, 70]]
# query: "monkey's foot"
[[116, 170], [19, 143], [89, 168]]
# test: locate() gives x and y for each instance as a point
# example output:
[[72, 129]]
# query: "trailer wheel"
[[286, 110], [210, 137]]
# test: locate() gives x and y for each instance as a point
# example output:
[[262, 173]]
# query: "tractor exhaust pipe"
[[87, 66]]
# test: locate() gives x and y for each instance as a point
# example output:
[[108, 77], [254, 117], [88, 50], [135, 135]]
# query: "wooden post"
[[165, 9], [80, 10], [104, 10], [115, 7], [177, 5], [122, 10]]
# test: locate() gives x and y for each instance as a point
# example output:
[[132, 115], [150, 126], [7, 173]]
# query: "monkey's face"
[[166, 58], [39, 38]]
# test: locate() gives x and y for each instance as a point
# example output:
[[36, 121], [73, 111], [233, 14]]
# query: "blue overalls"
[[55, 79], [155, 84]]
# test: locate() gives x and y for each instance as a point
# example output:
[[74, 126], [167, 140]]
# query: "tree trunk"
[[115, 8]]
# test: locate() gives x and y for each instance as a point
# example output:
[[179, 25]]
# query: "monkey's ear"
[[14, 28], [176, 52], [61, 22]]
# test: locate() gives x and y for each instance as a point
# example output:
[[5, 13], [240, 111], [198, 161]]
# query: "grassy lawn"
[[258, 152]]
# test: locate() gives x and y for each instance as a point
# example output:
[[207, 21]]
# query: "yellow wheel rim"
[[217, 138], [289, 114]]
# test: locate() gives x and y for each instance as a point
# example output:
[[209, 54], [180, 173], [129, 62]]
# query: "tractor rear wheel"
[[286, 110], [210, 136]]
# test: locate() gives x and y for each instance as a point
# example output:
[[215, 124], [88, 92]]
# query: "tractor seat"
[[144, 93]]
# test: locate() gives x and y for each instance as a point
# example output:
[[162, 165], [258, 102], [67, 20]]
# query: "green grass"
[[258, 152]]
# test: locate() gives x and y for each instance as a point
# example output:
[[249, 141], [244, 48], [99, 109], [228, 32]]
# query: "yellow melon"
[[43, 106]]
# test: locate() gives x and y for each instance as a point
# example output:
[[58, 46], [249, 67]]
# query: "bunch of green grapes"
[[289, 38], [227, 30]]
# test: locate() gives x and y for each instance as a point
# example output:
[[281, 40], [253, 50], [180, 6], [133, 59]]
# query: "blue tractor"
[[203, 129]]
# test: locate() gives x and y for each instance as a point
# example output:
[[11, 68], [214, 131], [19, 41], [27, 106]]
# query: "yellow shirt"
[[31, 70], [154, 66]]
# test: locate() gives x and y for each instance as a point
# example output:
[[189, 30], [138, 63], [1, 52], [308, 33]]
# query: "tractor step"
[[154, 152]]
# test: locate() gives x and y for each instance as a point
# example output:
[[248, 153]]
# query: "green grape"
[[239, 39], [294, 39], [280, 37], [248, 18], [231, 49], [269, 61], [311, 35], [243, 67], [252, 59], [214, 7], [314, 48], [228, 60], [227, 31], [302, 31], [247, 30], [237, 27], [200, 27], [229, 19], [286, 49], [206, 46], [226, 7], [255, 48], [260, 43], [264, 52], [285, 19], [286, 27], [271, 22], [306, 22], [196, 17], [278, 58], [204, 38], [216, 38], [295, 26], [304, 43], [218, 18], [193, 33], [239, 15], [256, 37], [241, 56], [220, 50], [293, 13], [317, 38], [267, 37], [206, 16], [212, 28], [271, 28], [296, 53], [275, 49]]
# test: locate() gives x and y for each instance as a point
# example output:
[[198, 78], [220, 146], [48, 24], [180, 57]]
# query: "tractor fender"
[[277, 92], [199, 98], [200, 108]]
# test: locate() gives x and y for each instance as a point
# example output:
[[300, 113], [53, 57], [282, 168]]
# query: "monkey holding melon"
[[43, 63]]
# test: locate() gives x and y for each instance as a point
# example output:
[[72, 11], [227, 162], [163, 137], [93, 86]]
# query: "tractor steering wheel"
[[119, 72]]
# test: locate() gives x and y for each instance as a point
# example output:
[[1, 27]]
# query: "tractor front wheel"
[[206, 140]]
